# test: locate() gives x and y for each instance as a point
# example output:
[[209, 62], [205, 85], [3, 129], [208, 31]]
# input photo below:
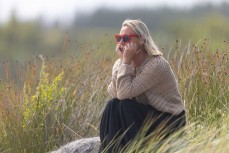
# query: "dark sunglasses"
[[125, 38]]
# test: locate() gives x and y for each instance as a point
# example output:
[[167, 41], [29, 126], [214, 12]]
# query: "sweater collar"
[[147, 58]]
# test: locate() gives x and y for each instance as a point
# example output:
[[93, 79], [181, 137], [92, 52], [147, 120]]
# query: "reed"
[[52, 101]]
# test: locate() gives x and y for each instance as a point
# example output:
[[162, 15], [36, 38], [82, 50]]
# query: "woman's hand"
[[129, 51], [119, 51]]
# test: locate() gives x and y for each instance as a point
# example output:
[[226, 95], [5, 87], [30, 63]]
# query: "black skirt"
[[125, 118]]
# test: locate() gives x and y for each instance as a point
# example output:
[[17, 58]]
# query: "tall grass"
[[203, 79], [52, 101]]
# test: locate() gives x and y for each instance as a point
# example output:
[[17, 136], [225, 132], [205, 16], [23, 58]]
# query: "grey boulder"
[[86, 145]]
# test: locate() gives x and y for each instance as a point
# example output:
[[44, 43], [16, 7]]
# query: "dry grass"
[[36, 117]]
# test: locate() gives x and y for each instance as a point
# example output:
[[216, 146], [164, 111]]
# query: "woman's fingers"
[[138, 51], [118, 50], [128, 51], [131, 47]]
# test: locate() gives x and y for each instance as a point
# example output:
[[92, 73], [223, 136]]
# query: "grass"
[[51, 101]]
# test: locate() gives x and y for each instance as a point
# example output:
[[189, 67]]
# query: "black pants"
[[128, 116]]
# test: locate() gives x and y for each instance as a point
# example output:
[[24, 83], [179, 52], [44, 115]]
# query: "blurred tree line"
[[20, 41], [154, 18], [167, 24]]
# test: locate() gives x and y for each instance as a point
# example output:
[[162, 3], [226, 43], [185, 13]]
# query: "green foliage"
[[211, 26], [37, 106], [22, 40]]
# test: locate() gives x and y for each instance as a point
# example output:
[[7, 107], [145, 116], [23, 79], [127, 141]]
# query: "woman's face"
[[126, 30]]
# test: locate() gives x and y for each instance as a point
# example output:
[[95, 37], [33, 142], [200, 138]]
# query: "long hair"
[[141, 29]]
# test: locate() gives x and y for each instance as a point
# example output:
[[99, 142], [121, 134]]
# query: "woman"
[[143, 86]]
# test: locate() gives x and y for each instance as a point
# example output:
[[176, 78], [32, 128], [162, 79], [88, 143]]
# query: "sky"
[[52, 10]]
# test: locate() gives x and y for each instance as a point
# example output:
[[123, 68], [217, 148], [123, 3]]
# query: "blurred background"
[[33, 27]]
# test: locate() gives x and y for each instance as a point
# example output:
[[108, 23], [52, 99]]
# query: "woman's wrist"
[[126, 61]]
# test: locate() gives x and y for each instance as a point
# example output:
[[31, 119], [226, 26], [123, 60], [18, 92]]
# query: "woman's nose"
[[122, 42]]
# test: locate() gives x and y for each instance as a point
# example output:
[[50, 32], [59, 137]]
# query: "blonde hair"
[[141, 29]]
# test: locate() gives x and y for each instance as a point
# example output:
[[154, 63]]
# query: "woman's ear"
[[142, 41]]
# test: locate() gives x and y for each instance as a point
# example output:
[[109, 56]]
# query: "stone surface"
[[86, 145]]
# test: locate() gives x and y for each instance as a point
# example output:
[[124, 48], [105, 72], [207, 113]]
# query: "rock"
[[86, 145]]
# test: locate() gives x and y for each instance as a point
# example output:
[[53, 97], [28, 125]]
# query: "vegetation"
[[62, 99], [50, 100]]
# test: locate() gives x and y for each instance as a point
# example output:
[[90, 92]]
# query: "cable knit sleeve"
[[112, 86], [129, 87]]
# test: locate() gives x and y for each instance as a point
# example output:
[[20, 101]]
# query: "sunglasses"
[[125, 38]]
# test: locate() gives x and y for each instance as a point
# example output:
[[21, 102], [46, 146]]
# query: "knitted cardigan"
[[152, 83]]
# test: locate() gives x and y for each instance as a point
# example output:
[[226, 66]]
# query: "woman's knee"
[[112, 103], [127, 105]]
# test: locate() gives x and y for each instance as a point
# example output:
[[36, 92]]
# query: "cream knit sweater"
[[152, 83]]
